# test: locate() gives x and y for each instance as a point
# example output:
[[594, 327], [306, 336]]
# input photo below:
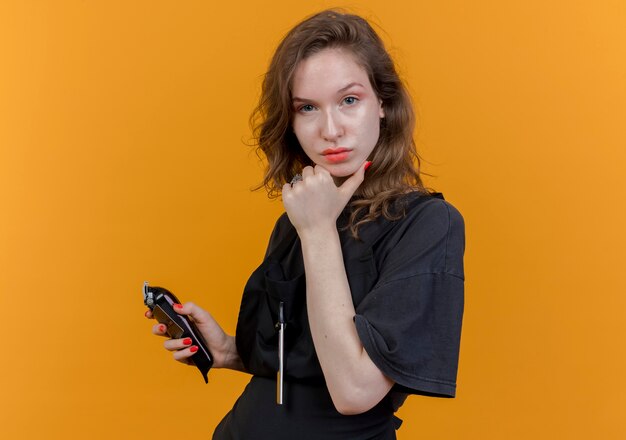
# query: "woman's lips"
[[335, 155]]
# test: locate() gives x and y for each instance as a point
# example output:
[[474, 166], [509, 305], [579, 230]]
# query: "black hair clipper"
[[161, 302]]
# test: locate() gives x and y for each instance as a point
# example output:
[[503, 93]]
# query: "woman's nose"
[[332, 128]]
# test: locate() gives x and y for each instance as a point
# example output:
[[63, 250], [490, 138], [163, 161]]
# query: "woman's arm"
[[221, 345], [355, 383], [313, 206]]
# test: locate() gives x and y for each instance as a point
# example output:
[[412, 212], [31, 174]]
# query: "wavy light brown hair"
[[395, 163]]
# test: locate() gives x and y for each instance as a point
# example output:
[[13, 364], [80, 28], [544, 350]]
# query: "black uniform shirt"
[[406, 279]]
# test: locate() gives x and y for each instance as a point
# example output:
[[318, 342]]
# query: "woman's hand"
[[315, 202], [221, 345]]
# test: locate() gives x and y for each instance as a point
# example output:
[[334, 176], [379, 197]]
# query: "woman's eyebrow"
[[352, 84], [341, 90]]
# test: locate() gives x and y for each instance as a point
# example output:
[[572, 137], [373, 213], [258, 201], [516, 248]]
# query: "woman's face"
[[337, 114]]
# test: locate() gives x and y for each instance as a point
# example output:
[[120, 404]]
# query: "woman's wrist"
[[318, 234], [231, 358]]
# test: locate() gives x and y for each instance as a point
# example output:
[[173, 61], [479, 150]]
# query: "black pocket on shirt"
[[292, 293]]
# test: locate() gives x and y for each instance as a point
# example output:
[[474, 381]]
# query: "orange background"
[[121, 160]]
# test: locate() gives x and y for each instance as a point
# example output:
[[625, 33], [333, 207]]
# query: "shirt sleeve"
[[410, 322]]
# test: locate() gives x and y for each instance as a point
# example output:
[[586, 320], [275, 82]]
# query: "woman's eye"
[[307, 108], [350, 100]]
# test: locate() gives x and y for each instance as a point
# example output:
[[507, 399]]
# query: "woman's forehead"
[[330, 70]]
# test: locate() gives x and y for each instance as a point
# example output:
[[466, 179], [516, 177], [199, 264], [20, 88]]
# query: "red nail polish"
[[194, 349], [367, 164], [178, 306], [162, 328], [187, 341]]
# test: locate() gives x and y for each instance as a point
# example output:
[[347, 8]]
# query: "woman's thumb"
[[351, 184]]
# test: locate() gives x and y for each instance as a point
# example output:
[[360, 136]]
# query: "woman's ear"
[[381, 110]]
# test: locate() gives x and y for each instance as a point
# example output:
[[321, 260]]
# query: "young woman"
[[364, 271]]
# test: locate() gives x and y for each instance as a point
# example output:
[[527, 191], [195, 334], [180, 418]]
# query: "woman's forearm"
[[354, 382]]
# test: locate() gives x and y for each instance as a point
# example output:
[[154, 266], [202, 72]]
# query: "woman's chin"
[[341, 174], [342, 171]]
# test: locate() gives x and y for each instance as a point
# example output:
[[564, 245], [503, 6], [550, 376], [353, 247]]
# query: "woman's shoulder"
[[281, 231], [429, 238], [430, 211]]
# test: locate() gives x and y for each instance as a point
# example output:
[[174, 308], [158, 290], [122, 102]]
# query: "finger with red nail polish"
[[177, 344], [155, 330]]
